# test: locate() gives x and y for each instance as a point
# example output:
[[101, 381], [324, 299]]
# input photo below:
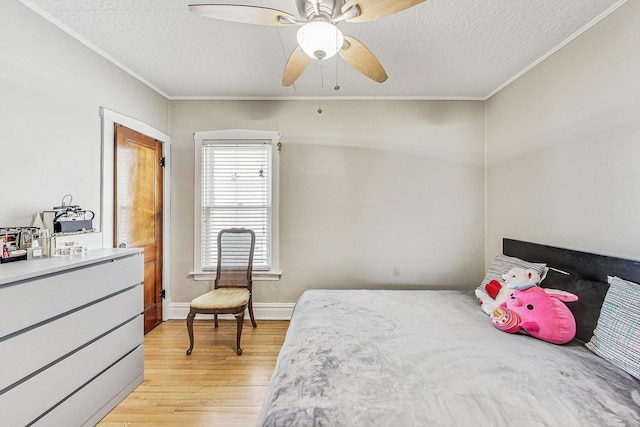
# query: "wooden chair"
[[231, 292]]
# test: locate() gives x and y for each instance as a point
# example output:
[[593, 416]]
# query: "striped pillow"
[[617, 335], [503, 263]]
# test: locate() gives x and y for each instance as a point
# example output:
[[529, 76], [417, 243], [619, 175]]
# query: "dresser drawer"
[[27, 303], [48, 388], [97, 398], [24, 352]]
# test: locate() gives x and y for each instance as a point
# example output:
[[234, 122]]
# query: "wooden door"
[[138, 210]]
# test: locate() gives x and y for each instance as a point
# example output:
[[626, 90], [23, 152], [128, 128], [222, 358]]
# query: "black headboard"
[[586, 265]]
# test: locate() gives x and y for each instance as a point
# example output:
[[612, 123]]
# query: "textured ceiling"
[[462, 49]]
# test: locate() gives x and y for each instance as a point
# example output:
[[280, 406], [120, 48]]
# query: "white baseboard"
[[261, 310]]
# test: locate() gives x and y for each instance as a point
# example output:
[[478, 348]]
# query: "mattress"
[[418, 358]]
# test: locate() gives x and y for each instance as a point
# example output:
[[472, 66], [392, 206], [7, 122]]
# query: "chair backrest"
[[235, 258]]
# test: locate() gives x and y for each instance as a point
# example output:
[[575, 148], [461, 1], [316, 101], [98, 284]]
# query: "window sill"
[[257, 276]]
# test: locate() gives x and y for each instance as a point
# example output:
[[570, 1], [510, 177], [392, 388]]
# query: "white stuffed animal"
[[495, 293]]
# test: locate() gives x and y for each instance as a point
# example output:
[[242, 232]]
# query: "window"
[[236, 185]]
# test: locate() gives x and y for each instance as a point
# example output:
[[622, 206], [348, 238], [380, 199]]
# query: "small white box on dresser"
[[86, 241]]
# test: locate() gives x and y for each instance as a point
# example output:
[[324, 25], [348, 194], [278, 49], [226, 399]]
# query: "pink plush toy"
[[539, 312]]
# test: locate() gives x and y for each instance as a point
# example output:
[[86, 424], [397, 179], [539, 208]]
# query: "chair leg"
[[239, 321], [215, 320], [253, 319], [190, 318]]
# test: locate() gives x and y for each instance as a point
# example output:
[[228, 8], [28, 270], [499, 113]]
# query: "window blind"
[[236, 193]]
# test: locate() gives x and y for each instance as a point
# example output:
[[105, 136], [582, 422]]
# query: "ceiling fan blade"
[[359, 57], [374, 9], [296, 64], [245, 14]]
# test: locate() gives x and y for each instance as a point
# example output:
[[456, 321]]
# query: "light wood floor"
[[213, 386]]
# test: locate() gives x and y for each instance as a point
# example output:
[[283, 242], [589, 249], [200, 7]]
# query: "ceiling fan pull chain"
[[321, 88], [337, 86]]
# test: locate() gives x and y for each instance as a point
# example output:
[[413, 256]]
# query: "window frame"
[[239, 136]]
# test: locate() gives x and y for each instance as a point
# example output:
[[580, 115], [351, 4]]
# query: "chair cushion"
[[221, 298]]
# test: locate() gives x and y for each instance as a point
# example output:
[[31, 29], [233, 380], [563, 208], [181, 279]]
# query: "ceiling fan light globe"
[[320, 40]]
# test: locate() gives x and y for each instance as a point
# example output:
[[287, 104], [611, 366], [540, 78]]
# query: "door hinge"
[[162, 161], [162, 294]]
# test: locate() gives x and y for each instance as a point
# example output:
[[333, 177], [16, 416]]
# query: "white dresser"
[[71, 334]]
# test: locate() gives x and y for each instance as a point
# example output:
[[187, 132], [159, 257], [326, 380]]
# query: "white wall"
[[563, 146], [373, 193], [51, 91]]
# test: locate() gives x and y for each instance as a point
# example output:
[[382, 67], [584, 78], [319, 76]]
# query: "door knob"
[[122, 245]]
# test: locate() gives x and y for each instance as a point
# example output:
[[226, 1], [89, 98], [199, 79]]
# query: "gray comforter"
[[432, 358]]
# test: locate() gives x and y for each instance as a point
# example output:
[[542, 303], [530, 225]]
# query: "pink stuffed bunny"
[[539, 312]]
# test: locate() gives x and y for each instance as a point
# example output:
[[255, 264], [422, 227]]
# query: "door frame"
[[109, 119]]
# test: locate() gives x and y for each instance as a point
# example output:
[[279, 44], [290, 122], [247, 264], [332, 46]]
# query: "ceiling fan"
[[319, 36]]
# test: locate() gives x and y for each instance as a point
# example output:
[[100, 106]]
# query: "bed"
[[433, 358]]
